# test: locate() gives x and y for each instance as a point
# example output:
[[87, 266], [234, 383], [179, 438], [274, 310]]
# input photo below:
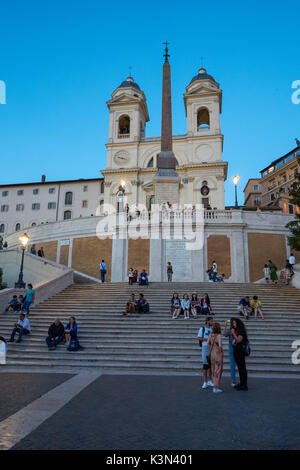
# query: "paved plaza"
[[126, 412]]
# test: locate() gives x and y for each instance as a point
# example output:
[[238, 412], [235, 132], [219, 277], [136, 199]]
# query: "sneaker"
[[210, 383], [233, 384], [205, 385], [217, 390]]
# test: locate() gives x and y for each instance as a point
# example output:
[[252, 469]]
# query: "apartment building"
[[252, 193], [277, 178], [30, 204]]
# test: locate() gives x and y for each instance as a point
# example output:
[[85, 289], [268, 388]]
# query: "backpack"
[[203, 333], [246, 348], [74, 345]]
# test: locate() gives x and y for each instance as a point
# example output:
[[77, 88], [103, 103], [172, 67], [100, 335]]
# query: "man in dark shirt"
[[55, 334]]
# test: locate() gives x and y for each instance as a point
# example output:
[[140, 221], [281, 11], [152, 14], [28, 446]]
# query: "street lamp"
[[24, 239], [235, 179]]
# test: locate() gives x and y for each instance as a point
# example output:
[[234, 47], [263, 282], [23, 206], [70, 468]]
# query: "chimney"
[[43, 178]]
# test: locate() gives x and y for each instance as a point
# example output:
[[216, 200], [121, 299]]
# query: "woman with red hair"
[[216, 356]]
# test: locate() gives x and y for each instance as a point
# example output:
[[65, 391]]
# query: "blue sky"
[[61, 60]]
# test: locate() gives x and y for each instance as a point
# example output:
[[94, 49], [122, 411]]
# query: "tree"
[[2, 284], [294, 225]]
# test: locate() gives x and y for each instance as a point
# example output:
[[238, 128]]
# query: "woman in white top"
[[185, 305]]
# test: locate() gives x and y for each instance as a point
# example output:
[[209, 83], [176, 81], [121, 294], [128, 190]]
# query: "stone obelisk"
[[166, 180]]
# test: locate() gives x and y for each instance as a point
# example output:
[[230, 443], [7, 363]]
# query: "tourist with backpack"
[[103, 270], [241, 349], [203, 335]]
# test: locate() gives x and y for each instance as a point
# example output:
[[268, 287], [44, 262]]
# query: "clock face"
[[121, 158]]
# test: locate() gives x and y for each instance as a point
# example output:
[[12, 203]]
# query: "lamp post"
[[24, 239], [235, 179]]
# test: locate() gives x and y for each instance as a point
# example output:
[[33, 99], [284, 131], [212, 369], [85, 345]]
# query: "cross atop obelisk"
[[166, 179]]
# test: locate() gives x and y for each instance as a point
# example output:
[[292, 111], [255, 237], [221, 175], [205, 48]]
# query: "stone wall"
[[50, 249], [218, 249], [139, 254], [88, 253], [261, 248]]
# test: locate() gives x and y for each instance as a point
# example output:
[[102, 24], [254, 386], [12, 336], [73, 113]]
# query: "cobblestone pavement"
[[118, 412], [19, 389]]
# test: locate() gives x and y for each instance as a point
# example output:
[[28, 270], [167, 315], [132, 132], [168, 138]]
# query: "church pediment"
[[124, 98]]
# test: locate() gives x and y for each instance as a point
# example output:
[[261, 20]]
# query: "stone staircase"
[[154, 342]]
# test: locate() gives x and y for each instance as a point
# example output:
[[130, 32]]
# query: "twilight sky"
[[61, 60]]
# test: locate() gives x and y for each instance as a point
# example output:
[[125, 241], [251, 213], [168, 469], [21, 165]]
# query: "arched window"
[[33, 224], [68, 198], [18, 227], [150, 163], [2, 228], [67, 215], [202, 119], [124, 126]]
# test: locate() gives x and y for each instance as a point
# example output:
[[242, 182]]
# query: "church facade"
[[132, 157]]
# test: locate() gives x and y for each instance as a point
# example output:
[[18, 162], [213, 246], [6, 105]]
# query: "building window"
[[19, 207], [255, 187], [4, 208], [2, 228], [150, 163], [102, 187], [67, 215], [20, 192], [35, 191], [272, 197], [33, 224], [256, 201], [291, 209], [18, 227], [101, 206], [51, 205], [36, 206], [205, 202], [84, 203], [203, 119], [85, 188], [124, 126], [4, 193], [51, 190], [69, 198]]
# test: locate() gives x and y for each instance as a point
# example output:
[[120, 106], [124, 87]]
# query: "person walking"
[[214, 344], [292, 259], [130, 276], [203, 335], [29, 298], [169, 271], [267, 273], [239, 341], [227, 333], [273, 272], [214, 271], [103, 270]]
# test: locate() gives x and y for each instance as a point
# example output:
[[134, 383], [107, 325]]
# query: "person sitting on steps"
[[131, 305], [22, 326], [143, 279], [55, 334], [142, 305], [175, 306]]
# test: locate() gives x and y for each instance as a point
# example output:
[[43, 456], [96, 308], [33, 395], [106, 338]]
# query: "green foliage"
[[294, 225], [2, 284]]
